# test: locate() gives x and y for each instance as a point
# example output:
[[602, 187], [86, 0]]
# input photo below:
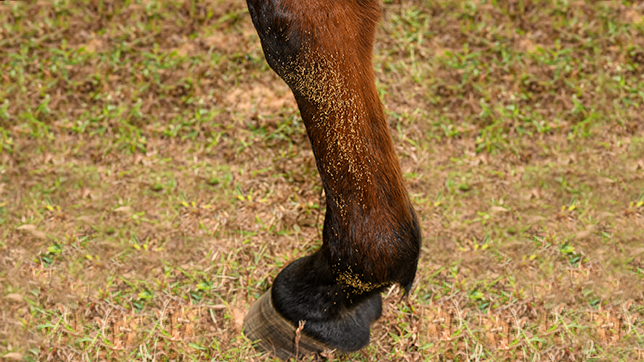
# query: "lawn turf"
[[155, 176]]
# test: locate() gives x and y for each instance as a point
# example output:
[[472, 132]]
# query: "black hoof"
[[272, 333], [306, 291]]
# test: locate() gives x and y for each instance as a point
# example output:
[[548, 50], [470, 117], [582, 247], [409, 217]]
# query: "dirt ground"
[[155, 176]]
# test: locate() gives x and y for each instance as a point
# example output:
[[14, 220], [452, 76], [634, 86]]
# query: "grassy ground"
[[155, 176]]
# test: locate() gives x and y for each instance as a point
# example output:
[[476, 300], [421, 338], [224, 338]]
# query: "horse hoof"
[[273, 333]]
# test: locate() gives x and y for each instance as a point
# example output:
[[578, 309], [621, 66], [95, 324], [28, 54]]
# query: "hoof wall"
[[272, 333]]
